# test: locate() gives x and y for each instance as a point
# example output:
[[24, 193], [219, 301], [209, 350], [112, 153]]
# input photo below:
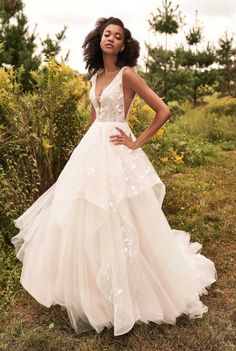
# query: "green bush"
[[223, 106], [228, 145], [187, 138], [39, 130], [201, 123], [175, 142], [178, 109], [10, 274]]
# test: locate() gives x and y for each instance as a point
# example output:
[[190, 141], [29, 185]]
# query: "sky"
[[215, 16]]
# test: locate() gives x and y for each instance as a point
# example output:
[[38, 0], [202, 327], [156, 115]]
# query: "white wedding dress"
[[97, 241]]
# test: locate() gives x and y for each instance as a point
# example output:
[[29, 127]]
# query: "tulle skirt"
[[98, 243]]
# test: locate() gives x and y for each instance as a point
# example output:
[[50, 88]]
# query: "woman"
[[97, 241]]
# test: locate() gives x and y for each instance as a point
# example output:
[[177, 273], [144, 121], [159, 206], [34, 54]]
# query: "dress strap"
[[92, 79], [122, 68], [120, 74]]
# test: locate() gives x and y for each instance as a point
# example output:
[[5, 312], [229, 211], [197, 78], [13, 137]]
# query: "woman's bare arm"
[[133, 81]]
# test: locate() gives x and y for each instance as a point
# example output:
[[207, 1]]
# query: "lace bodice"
[[110, 105]]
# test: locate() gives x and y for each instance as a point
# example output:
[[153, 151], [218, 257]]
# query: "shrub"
[[178, 109], [39, 130], [223, 106]]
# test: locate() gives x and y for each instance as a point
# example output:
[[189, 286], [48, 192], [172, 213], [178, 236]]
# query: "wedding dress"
[[97, 241]]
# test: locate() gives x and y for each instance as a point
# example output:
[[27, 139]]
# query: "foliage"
[[52, 47], [20, 45], [226, 57], [167, 20], [194, 35], [140, 115], [39, 130], [166, 77], [208, 126], [181, 74], [222, 106], [189, 74], [10, 275], [178, 109], [187, 139]]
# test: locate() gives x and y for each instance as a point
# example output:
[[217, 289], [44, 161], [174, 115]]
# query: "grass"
[[200, 200]]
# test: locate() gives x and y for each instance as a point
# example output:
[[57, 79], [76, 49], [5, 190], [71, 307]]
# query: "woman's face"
[[112, 40]]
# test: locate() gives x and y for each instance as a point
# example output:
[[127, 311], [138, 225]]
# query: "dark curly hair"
[[92, 53]]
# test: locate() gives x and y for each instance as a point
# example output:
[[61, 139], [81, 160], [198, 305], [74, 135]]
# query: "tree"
[[52, 47], [194, 36], [168, 21], [226, 57], [199, 61], [19, 44], [177, 84], [180, 74]]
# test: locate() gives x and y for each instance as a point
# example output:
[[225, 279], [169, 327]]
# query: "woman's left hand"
[[123, 139]]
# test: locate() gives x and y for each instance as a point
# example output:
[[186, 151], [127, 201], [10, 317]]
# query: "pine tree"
[[199, 61], [226, 57], [19, 45], [167, 21], [194, 36]]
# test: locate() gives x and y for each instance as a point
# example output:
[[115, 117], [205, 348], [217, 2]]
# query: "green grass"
[[200, 200]]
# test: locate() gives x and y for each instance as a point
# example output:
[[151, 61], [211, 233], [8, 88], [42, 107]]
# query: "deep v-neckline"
[[95, 85]]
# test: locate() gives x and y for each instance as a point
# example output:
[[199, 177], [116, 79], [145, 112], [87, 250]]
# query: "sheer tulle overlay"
[[98, 243]]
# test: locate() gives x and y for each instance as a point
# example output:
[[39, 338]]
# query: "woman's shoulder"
[[132, 68], [129, 71]]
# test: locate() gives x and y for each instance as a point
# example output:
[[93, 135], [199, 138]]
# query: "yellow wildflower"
[[178, 158], [158, 135], [164, 159], [46, 144]]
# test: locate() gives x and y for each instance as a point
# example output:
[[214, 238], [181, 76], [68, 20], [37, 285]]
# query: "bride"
[[97, 241]]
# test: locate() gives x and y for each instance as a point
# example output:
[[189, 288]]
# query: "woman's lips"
[[109, 45]]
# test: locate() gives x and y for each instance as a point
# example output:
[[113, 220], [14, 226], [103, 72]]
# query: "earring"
[[122, 49]]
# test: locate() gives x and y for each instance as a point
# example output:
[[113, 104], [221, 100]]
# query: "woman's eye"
[[107, 35]]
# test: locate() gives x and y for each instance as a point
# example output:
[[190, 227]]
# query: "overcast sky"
[[216, 17]]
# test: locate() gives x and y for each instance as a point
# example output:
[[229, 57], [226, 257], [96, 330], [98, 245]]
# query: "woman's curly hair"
[[92, 52]]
